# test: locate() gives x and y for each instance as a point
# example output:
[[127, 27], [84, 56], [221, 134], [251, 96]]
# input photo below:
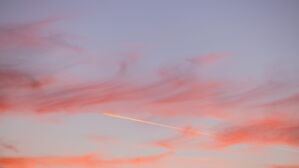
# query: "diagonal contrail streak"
[[142, 121], [152, 123], [172, 127]]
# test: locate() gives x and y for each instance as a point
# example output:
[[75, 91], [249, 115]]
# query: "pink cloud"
[[285, 102], [174, 91], [285, 166], [30, 89], [78, 161], [177, 142], [34, 35], [208, 59], [14, 84], [8, 147], [267, 131]]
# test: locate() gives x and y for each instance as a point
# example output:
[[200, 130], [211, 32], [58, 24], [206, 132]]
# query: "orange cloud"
[[77, 161], [32, 162]]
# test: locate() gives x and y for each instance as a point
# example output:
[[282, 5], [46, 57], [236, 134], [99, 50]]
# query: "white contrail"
[[173, 127], [154, 123], [142, 121]]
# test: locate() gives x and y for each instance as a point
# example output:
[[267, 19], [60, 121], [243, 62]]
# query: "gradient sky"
[[160, 83]]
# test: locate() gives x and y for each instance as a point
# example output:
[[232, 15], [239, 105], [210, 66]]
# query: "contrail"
[[152, 123], [173, 127], [142, 121]]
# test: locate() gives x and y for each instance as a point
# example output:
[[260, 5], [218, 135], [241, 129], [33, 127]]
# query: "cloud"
[[177, 142], [284, 166], [129, 59], [14, 87], [156, 95], [77, 161], [34, 35], [272, 130], [285, 102], [29, 84], [173, 91], [31, 162], [24, 49], [208, 59], [8, 147]]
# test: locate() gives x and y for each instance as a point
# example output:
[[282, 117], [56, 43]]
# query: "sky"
[[160, 83]]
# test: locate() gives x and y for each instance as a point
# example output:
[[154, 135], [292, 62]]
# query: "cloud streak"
[[78, 161], [285, 166], [142, 121], [33, 35], [265, 131]]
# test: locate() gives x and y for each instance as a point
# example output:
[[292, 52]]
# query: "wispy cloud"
[[267, 131], [8, 147], [34, 35], [208, 59], [177, 142]]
